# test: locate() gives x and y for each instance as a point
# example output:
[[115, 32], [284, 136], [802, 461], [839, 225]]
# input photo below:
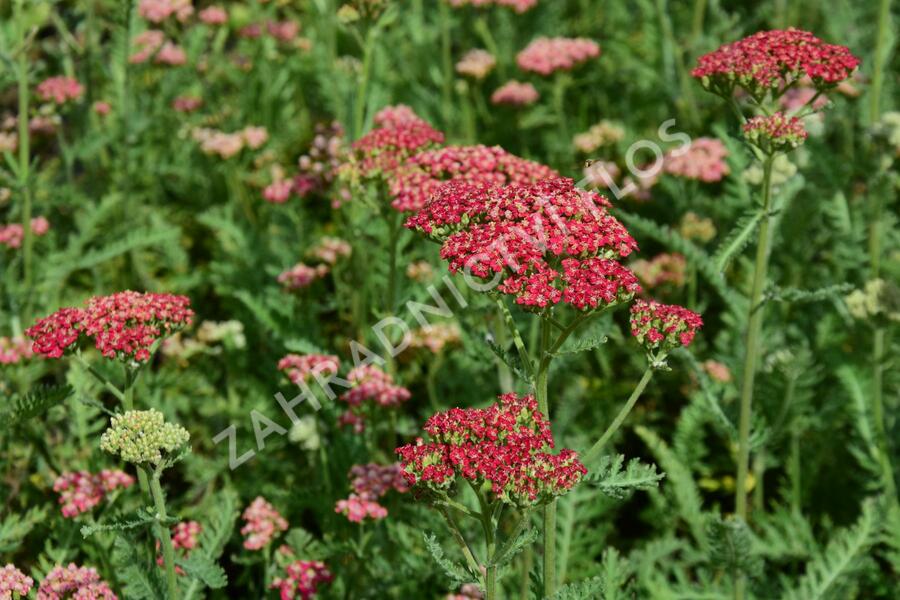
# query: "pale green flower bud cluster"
[[879, 301], [141, 436]]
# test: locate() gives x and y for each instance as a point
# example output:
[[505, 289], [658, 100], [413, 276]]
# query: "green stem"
[[517, 338], [754, 328], [359, 113], [592, 454], [540, 392], [127, 399], [884, 19], [878, 412], [458, 536], [396, 227], [446, 60], [165, 538], [24, 153]]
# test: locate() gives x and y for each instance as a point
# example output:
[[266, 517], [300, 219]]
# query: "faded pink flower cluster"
[[330, 249], [302, 580], [12, 235], [301, 275], [662, 269], [14, 581], [476, 63], [775, 133], [299, 367], [80, 491], [371, 383], [279, 191], [77, 583], [157, 11], [186, 104], [370, 482], [546, 55], [14, 350], [435, 337], [317, 168], [226, 145], [263, 523], [703, 160], [213, 15], [59, 90], [185, 537], [515, 93], [153, 44]]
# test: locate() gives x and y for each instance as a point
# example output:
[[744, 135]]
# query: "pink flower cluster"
[[157, 11], [703, 160], [663, 327], [278, 191], [153, 44], [185, 537], [263, 523], [507, 445], [213, 15], [371, 482], [59, 90], [662, 269], [14, 350], [519, 6], [301, 275], [370, 383], [515, 93], [14, 581], [12, 235], [124, 326], [546, 242], [401, 133], [547, 55], [226, 145], [413, 184], [186, 104], [77, 583], [283, 31], [330, 249], [775, 133], [435, 337], [476, 63], [773, 59], [300, 367], [80, 491], [302, 580]]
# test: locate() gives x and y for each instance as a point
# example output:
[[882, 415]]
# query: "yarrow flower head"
[[213, 15], [60, 90], [302, 580], [515, 93], [371, 482], [13, 234], [14, 350], [142, 436], [401, 133], [370, 383], [301, 367], [476, 64], [80, 491], [435, 337], [77, 583], [263, 523], [14, 581], [661, 328], [772, 60], [505, 447], [703, 160], [663, 269], [330, 249], [547, 55], [157, 11], [518, 234], [124, 326], [301, 275], [357, 509], [775, 133], [416, 181]]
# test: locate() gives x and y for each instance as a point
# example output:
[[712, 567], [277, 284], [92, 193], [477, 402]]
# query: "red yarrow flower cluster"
[[401, 134], [77, 583], [506, 446], [775, 133], [544, 243], [370, 383], [60, 90], [80, 491], [416, 181], [14, 581], [663, 327], [772, 60], [263, 523], [302, 580], [371, 482], [300, 367], [124, 326], [547, 55]]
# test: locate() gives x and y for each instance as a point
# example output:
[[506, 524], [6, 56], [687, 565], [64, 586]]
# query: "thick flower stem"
[[592, 454], [24, 151], [127, 398], [754, 328], [884, 18], [165, 539], [540, 393]]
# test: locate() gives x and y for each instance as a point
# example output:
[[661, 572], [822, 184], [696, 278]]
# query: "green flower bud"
[[141, 436]]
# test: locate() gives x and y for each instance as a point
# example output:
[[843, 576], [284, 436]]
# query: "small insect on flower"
[[142, 436]]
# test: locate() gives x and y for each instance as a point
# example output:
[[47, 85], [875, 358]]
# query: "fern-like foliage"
[[731, 546], [617, 482], [453, 570], [835, 568], [737, 239], [201, 565], [15, 527], [33, 404]]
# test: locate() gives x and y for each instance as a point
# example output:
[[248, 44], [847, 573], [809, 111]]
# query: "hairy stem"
[[165, 538], [754, 328], [540, 392], [592, 454]]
